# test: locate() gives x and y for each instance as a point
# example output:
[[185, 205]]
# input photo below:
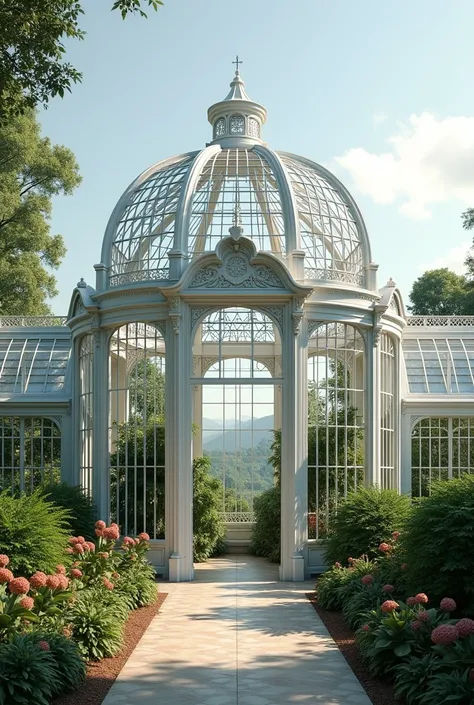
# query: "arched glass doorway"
[[236, 404]]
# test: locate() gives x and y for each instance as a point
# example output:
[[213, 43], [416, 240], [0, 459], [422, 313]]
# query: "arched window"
[[237, 125], [387, 412], [219, 128], [137, 429], [335, 420]]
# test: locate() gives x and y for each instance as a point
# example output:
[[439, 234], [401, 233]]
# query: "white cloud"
[[379, 118], [453, 259], [429, 161]]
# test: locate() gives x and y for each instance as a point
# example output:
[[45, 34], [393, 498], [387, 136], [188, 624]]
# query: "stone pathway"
[[236, 636]]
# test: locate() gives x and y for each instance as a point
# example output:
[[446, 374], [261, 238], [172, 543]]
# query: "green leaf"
[[402, 650]]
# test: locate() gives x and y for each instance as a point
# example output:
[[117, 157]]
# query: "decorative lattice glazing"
[[254, 127], [86, 410], [30, 453], [219, 128], [442, 448], [145, 231], [389, 479], [236, 183], [335, 420], [439, 365], [33, 365], [440, 321], [137, 429], [238, 325], [32, 321], [237, 125], [329, 235]]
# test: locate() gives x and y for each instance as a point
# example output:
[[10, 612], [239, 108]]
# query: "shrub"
[[412, 678], [456, 688], [28, 673], [70, 665], [96, 627], [208, 527], [267, 528], [73, 498], [438, 543], [364, 599], [363, 521], [138, 585], [338, 584], [33, 532]]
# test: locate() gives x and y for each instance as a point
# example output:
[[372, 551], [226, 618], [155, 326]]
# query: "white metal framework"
[[86, 410], [33, 364], [440, 365], [336, 420], [137, 429], [389, 477]]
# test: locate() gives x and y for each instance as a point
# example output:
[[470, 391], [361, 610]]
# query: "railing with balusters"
[[440, 321], [32, 321]]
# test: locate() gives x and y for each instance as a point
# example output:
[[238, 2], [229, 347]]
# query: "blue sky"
[[379, 92]]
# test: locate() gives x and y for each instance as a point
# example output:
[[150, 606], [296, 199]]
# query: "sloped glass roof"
[[33, 364], [439, 365]]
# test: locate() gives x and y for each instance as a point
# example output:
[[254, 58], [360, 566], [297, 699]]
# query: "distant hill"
[[231, 439]]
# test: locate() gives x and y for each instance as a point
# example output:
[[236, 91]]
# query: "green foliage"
[[338, 584], [27, 673], [362, 600], [363, 521], [96, 627], [454, 688], [208, 528], [12, 614], [438, 543], [439, 292], [32, 171], [266, 534], [70, 665], [81, 508], [33, 67], [413, 677], [33, 533]]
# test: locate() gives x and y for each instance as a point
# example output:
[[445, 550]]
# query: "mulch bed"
[[101, 675], [380, 692]]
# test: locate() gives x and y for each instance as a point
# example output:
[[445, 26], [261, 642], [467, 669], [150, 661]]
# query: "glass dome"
[[282, 201]]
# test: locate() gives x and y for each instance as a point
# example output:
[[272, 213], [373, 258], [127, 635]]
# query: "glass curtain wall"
[[86, 406], [335, 420], [137, 429], [389, 478]]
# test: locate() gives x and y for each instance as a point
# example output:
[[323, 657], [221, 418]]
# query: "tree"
[[32, 66], [32, 170], [439, 292]]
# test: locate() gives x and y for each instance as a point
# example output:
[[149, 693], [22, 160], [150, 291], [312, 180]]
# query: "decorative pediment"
[[236, 265]]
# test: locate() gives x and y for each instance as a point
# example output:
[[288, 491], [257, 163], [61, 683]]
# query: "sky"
[[379, 92]]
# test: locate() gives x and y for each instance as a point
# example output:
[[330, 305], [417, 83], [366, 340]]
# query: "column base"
[[179, 569], [293, 569]]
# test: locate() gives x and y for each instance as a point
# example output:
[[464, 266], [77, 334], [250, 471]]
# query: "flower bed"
[[51, 624]]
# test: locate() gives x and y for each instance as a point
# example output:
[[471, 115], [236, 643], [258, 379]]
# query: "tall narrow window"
[[137, 429], [335, 421], [387, 412], [86, 398]]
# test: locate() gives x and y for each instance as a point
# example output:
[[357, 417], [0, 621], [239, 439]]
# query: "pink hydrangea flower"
[[108, 584], [385, 547], [421, 598], [69, 550], [128, 541], [415, 624], [89, 546], [104, 554], [4, 560], [52, 582], [388, 588], [444, 634], [337, 565], [78, 548], [447, 604], [38, 580], [367, 579], [63, 582], [389, 606], [5, 575], [465, 626], [60, 570], [365, 628], [350, 560], [81, 539], [411, 601], [76, 573], [44, 646], [19, 586], [395, 535], [144, 536], [98, 532], [100, 524], [74, 540], [110, 533], [27, 603], [423, 616]]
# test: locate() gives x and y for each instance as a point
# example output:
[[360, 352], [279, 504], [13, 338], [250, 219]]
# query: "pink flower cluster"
[[448, 633], [4, 560], [367, 579], [388, 588], [109, 533], [389, 606], [108, 585], [447, 604], [419, 599], [385, 547], [5, 575]]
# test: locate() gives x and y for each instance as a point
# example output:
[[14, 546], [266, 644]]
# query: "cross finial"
[[237, 63]]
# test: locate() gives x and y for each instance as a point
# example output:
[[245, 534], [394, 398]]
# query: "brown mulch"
[[101, 675], [380, 692]]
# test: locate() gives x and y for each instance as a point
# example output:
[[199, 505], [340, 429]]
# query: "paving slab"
[[236, 636]]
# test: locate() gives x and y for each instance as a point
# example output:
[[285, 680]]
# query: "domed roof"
[[283, 202]]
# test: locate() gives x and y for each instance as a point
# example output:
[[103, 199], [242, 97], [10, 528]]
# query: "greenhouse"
[[235, 313]]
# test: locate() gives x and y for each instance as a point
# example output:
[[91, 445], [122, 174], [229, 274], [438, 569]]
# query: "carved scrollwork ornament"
[[297, 317]]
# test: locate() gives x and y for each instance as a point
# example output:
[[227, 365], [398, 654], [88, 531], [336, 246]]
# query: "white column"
[[372, 412], [294, 465], [100, 451], [405, 454], [179, 476]]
